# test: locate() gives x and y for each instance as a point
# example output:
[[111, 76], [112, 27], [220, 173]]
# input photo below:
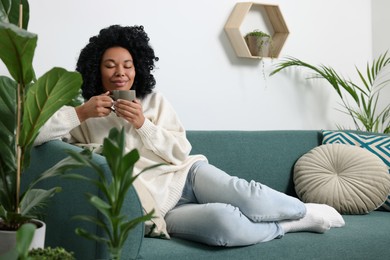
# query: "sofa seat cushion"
[[348, 178]]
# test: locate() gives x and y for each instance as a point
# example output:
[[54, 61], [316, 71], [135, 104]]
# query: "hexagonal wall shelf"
[[232, 28]]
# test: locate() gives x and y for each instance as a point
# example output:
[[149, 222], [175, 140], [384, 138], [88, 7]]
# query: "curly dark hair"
[[132, 38]]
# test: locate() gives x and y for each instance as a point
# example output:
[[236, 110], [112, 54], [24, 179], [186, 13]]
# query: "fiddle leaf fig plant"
[[26, 103], [364, 110]]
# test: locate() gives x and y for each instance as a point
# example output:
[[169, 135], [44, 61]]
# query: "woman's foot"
[[329, 213], [319, 218]]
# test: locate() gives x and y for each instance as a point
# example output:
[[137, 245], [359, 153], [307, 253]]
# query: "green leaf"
[[92, 219], [8, 88], [24, 237], [88, 235], [52, 91], [10, 9], [17, 47], [129, 225], [100, 205], [59, 168], [5, 7], [36, 199], [84, 158], [7, 128]]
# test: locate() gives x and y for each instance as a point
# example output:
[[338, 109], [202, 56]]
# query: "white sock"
[[329, 213], [313, 221]]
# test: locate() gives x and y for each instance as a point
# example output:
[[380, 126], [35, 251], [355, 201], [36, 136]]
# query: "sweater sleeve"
[[58, 126], [162, 131]]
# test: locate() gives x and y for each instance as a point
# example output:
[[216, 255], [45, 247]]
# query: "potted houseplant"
[[26, 103], [259, 43], [115, 226], [364, 112], [21, 251]]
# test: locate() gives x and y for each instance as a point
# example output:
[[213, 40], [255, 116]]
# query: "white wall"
[[381, 40], [380, 23], [198, 70]]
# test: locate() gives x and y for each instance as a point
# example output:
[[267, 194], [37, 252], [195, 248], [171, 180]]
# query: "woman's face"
[[117, 69]]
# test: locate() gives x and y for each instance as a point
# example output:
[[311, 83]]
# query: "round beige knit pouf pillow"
[[349, 178]]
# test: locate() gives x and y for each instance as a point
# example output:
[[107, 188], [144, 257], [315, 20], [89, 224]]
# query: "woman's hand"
[[96, 106], [130, 111]]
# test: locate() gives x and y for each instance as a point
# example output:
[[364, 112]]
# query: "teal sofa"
[[266, 156]]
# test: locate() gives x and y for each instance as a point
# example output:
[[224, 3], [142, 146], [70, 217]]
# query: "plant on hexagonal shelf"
[[259, 43]]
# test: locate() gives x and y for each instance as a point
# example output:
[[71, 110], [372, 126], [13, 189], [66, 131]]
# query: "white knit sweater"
[[161, 139]]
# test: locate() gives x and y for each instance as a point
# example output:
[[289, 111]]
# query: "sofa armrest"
[[71, 201]]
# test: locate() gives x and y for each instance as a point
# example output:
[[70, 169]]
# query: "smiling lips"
[[119, 83]]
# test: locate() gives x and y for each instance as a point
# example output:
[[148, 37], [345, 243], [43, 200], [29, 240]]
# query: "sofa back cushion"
[[264, 156]]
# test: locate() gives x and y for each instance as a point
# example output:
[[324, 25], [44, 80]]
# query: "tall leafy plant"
[[115, 225], [364, 110], [26, 103]]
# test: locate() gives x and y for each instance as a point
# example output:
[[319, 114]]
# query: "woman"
[[198, 201]]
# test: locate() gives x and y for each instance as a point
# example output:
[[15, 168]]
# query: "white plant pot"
[[8, 238]]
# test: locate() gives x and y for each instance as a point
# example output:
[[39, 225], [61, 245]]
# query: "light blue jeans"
[[221, 210]]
